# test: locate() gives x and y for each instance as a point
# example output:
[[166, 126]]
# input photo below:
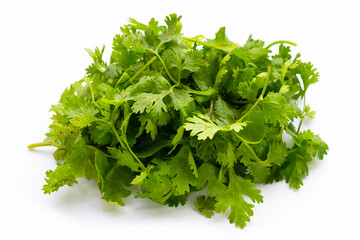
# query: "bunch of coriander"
[[173, 115]]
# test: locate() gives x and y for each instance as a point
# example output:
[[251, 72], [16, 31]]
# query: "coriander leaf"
[[201, 126], [222, 42], [117, 181], [241, 211], [102, 166], [173, 29], [141, 177], [208, 175], [182, 174], [124, 158], [227, 157], [157, 187], [61, 176], [277, 110], [206, 206], [295, 169], [277, 153]]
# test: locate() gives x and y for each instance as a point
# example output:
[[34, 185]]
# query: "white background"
[[42, 52]]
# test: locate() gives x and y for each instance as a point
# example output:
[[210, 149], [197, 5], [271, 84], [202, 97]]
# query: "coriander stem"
[[163, 63], [298, 130], [301, 121], [238, 101], [158, 47], [43, 144], [247, 141], [260, 97], [257, 159], [211, 107], [279, 136], [280, 42], [92, 92], [208, 93], [206, 44], [142, 69], [124, 145]]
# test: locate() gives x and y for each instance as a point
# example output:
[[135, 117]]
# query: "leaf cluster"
[[173, 115]]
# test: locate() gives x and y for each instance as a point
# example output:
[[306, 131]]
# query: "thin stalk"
[[92, 92], [280, 42], [163, 63], [247, 141], [279, 136], [298, 130], [96, 149], [211, 107], [43, 144], [257, 159], [260, 97], [238, 101], [124, 145], [158, 47], [206, 44], [142, 69], [208, 93], [301, 121]]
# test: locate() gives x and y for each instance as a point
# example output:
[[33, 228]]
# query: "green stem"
[[206, 44], [280, 42], [43, 144], [124, 145], [208, 93], [211, 107], [96, 149], [158, 47], [92, 92], [238, 101], [301, 121], [260, 97], [257, 159], [247, 141], [298, 130], [279, 136], [163, 63], [142, 69]]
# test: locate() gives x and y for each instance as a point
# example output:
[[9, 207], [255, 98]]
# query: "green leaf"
[[240, 210], [115, 189], [124, 158], [222, 42], [157, 187], [201, 126], [60, 177], [141, 177], [295, 170], [277, 153], [192, 164], [227, 157], [250, 89], [182, 101], [277, 110], [180, 171], [173, 28], [206, 206], [102, 166], [208, 176], [308, 74]]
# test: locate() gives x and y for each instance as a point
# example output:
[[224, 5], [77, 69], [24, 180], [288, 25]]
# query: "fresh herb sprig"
[[173, 115]]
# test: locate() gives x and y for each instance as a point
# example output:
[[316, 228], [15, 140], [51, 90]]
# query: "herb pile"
[[174, 115]]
